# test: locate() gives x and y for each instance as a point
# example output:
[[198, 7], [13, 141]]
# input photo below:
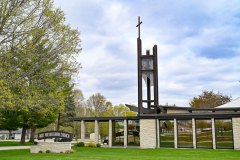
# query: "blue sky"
[[198, 46]]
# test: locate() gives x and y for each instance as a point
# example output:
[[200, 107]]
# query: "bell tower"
[[147, 71]]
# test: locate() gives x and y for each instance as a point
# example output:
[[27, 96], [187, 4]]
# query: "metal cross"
[[138, 25]]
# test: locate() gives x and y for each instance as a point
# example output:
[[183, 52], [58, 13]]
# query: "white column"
[[125, 133], [110, 133], [236, 132], [213, 133], [194, 133], [158, 134], [175, 134], [82, 131], [96, 130]]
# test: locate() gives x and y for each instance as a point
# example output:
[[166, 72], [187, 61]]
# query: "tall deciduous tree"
[[122, 111], [80, 110], [209, 99], [37, 51], [98, 104]]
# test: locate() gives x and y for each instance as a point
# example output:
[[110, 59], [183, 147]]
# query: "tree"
[[209, 99], [37, 51], [65, 117], [98, 104], [122, 111], [80, 105], [10, 123]]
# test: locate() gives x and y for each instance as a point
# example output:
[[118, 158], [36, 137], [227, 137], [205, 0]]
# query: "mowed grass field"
[[86, 153], [13, 143]]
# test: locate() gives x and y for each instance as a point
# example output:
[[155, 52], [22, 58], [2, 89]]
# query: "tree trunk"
[[10, 134], [58, 122], [32, 135], [27, 133], [23, 135], [58, 126]]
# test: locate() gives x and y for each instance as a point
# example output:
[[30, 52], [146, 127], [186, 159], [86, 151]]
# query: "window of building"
[[185, 134], [166, 133], [133, 133], [104, 132], [224, 133], [204, 133], [118, 133]]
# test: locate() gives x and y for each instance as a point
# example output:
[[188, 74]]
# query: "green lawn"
[[125, 154], [13, 143]]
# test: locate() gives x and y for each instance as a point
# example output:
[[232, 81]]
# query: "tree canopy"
[[98, 105], [37, 54], [209, 99]]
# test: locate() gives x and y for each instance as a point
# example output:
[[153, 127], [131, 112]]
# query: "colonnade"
[[150, 132], [110, 132]]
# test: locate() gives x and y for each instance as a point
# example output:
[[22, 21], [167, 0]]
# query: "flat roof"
[[204, 115]]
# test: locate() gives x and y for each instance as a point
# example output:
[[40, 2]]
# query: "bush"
[[80, 144], [40, 151], [48, 151], [91, 145], [98, 145]]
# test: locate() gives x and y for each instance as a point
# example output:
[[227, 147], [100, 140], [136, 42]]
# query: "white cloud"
[[183, 30]]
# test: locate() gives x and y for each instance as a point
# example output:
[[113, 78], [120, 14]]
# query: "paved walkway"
[[14, 147]]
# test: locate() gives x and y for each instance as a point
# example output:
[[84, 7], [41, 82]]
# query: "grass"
[[85, 153], [13, 143]]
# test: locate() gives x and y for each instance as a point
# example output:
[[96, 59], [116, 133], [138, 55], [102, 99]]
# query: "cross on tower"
[[138, 25]]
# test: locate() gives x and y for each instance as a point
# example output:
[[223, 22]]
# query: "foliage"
[[80, 144], [65, 118], [91, 144], [98, 145], [122, 111], [48, 151], [98, 104], [170, 125], [37, 62], [209, 99], [12, 120], [79, 102], [103, 128]]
